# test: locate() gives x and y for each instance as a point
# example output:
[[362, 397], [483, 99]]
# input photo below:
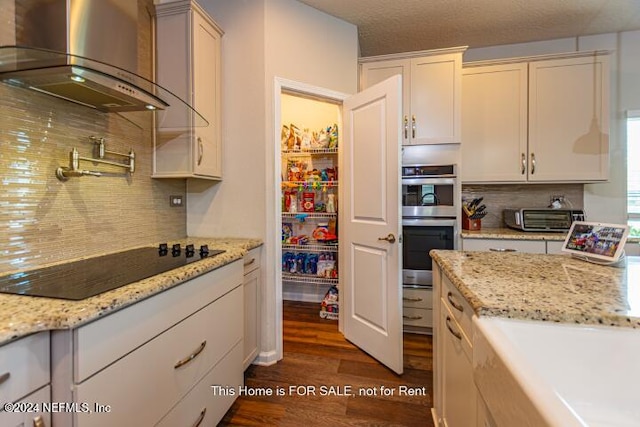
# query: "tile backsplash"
[[502, 196], [44, 220]]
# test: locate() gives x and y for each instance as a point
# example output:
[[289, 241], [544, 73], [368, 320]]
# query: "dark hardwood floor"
[[317, 355]]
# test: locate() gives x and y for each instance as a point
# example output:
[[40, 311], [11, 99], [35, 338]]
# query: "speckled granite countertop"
[[23, 315], [509, 233], [504, 233], [554, 288]]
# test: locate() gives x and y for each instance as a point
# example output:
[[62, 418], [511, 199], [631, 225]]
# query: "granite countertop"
[[504, 233], [509, 233], [24, 315], [555, 288]]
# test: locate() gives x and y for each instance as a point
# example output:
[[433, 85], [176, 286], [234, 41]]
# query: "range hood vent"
[[86, 52]]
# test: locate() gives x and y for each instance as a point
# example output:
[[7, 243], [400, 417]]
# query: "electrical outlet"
[[175, 201], [556, 198]]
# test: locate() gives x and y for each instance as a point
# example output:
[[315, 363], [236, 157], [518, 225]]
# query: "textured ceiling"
[[390, 26]]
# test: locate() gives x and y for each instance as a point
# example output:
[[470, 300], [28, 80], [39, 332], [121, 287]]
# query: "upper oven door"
[[428, 197]]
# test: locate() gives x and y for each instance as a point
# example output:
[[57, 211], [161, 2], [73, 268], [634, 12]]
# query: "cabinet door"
[[505, 245], [569, 119], [494, 129], [435, 99], [251, 286], [207, 152], [458, 388], [376, 72]]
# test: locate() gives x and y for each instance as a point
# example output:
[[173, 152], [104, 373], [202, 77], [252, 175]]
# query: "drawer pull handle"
[[503, 250], [192, 356], [453, 302], [454, 333], [411, 299], [201, 417], [246, 264], [412, 317], [406, 126], [200, 151], [38, 422], [4, 377]]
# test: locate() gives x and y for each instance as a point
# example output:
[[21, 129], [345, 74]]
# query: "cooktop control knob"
[[163, 249], [175, 250], [204, 251], [189, 250]]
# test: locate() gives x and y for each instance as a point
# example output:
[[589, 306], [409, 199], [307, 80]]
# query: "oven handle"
[[426, 222], [429, 181]]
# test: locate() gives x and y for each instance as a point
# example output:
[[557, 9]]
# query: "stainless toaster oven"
[[542, 219]]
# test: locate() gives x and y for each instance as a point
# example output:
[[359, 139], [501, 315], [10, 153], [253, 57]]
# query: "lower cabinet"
[[24, 381], [251, 286], [417, 309], [505, 245], [514, 245], [203, 406], [455, 393], [155, 361]]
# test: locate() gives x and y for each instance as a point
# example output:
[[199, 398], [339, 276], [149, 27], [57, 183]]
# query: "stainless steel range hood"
[[84, 51]]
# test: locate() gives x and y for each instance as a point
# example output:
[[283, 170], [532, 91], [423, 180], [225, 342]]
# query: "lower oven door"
[[419, 237]]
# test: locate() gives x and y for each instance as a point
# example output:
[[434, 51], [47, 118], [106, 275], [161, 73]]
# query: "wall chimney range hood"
[[85, 51]]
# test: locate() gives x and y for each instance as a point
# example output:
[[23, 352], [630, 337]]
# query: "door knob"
[[389, 238]]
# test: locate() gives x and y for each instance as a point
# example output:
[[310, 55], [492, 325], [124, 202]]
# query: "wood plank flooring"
[[316, 355]]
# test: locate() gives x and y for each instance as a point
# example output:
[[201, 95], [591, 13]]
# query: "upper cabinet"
[[541, 120], [188, 64], [431, 92]]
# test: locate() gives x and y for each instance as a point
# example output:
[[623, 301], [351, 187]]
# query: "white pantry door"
[[370, 239]]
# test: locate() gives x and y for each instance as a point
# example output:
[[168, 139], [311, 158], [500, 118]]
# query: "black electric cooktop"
[[92, 276]]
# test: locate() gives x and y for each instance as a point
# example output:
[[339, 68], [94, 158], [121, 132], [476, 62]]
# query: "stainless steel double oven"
[[429, 209]]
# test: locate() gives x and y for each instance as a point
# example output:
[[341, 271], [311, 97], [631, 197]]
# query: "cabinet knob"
[[38, 422]]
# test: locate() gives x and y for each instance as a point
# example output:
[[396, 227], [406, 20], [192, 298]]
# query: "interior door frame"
[[281, 84]]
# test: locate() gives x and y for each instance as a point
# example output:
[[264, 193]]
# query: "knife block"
[[470, 224]]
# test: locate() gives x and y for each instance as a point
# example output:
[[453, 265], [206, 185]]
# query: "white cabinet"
[[417, 309], [251, 287], [455, 394], [24, 380], [431, 89], [494, 129], [569, 119], [188, 64], [514, 245], [541, 120], [505, 245], [142, 361]]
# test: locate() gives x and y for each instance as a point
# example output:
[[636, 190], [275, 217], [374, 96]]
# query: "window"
[[633, 171]]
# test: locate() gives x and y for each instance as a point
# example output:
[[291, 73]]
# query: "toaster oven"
[[542, 219]]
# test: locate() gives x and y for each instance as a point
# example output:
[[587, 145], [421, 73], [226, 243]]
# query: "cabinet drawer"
[[417, 297], [204, 406], [24, 366], [106, 340], [500, 245], [29, 418], [422, 317], [460, 309], [252, 260], [150, 373]]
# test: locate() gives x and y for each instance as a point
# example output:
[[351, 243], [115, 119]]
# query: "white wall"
[[604, 201], [264, 39]]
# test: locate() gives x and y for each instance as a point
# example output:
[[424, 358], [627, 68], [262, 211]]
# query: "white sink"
[[571, 375]]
